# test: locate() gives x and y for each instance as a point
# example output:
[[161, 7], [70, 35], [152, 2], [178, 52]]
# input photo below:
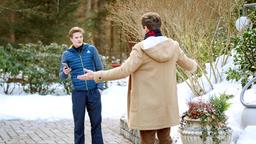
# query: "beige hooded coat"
[[152, 95]]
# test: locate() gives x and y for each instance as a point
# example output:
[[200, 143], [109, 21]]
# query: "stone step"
[[130, 134]]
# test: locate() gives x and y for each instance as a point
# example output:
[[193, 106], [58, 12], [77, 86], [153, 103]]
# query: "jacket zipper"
[[83, 68]]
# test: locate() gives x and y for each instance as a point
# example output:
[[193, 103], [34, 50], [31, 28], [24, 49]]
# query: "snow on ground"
[[248, 136], [52, 107], [33, 107]]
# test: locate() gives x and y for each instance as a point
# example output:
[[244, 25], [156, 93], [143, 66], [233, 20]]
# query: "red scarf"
[[155, 33]]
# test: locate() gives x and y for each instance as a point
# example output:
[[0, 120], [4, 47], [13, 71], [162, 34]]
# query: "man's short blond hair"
[[152, 20], [74, 30]]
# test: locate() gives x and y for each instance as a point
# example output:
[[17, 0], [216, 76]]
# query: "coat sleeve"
[[185, 62], [128, 67]]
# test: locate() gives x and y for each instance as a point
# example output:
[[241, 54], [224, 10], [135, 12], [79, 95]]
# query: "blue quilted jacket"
[[88, 58]]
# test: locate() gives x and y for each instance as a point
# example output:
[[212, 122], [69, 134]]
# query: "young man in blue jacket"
[[86, 94]]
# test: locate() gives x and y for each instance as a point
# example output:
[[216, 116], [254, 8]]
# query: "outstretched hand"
[[89, 75]]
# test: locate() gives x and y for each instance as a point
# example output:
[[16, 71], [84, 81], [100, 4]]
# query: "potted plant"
[[205, 122]]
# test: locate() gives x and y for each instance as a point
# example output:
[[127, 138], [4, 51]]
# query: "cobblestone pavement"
[[54, 132]]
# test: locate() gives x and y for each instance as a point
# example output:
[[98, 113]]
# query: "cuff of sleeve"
[[100, 88], [98, 76], [194, 68]]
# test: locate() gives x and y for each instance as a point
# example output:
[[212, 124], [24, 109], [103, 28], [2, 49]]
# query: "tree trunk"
[[88, 9], [95, 5], [12, 28], [111, 45]]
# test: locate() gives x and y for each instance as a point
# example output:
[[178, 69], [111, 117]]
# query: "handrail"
[[248, 6], [242, 94]]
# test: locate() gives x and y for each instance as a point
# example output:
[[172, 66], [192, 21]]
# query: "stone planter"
[[130, 134], [192, 131]]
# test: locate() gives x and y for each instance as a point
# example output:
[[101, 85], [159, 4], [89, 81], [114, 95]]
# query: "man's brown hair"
[[152, 20], [74, 30]]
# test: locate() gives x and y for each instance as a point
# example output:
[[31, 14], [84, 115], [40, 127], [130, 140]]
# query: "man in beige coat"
[[152, 90]]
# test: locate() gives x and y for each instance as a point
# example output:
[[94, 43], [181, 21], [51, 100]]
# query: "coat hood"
[[160, 49]]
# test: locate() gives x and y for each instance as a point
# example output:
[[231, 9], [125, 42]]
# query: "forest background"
[[33, 34]]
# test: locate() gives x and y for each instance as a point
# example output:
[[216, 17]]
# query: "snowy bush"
[[34, 66]]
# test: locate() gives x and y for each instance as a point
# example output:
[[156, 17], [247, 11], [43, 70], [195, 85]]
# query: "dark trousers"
[[90, 100], [149, 136]]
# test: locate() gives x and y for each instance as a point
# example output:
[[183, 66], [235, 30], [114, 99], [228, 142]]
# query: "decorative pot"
[[192, 131]]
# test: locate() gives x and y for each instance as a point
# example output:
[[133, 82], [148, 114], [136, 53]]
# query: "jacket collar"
[[71, 48]]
